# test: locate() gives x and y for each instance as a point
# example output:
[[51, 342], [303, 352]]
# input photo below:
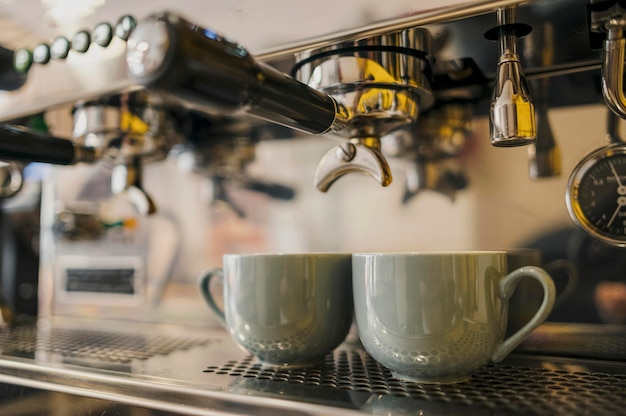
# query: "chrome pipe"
[[444, 14], [613, 67]]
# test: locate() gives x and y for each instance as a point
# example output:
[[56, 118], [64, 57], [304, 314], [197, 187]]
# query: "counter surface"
[[153, 369]]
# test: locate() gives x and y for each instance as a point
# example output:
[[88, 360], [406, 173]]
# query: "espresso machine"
[[171, 134]]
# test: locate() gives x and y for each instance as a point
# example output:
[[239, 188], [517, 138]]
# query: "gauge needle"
[[621, 189], [621, 201], [619, 206], [619, 183]]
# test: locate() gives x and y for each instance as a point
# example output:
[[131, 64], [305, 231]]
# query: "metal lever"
[[358, 155]]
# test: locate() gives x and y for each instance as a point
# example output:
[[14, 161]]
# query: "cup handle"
[[506, 288], [572, 277], [203, 283]]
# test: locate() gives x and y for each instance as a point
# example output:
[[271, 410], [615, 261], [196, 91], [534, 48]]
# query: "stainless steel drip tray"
[[593, 341], [199, 370]]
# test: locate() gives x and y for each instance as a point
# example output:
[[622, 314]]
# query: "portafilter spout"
[[207, 72], [511, 113]]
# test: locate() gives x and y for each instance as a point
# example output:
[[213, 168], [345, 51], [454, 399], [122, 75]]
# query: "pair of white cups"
[[427, 317]]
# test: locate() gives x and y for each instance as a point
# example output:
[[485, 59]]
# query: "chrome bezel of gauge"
[[571, 195]]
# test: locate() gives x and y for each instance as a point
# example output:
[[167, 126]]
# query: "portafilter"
[[362, 89]]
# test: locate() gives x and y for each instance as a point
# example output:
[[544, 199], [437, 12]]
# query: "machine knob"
[[22, 60], [81, 41], [125, 26], [41, 54], [60, 48], [102, 34]]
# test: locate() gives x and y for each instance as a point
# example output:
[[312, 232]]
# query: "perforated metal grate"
[[608, 344], [91, 344], [502, 388]]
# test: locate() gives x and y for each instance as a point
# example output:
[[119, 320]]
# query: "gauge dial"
[[596, 194]]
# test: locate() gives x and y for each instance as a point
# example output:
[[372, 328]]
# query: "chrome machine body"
[[164, 139]]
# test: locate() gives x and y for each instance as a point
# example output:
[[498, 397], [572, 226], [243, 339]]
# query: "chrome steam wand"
[[613, 22]]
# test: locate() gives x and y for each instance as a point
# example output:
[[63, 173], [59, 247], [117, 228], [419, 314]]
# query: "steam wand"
[[613, 22]]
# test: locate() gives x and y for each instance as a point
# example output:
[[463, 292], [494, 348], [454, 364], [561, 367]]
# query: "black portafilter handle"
[[26, 145], [207, 72], [273, 190]]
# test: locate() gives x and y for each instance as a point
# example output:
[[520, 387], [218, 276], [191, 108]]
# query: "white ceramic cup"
[[285, 309], [436, 317]]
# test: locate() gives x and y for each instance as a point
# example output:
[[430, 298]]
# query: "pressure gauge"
[[596, 194]]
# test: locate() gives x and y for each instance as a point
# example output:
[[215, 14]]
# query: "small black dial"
[[41, 54], [81, 41], [102, 34], [60, 48], [125, 26], [596, 194], [22, 60]]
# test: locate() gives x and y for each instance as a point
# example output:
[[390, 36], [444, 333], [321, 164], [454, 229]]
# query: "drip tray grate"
[[500, 387], [606, 342], [114, 346]]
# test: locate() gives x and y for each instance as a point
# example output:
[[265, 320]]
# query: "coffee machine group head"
[[361, 90], [383, 83]]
